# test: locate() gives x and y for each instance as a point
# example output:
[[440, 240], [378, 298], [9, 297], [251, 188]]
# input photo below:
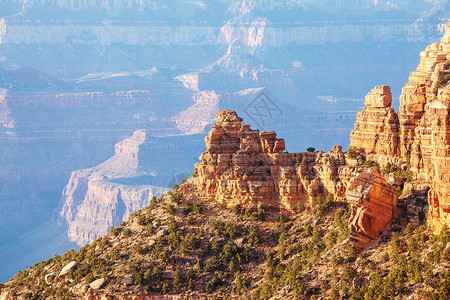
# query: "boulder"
[[99, 283], [70, 267], [373, 202]]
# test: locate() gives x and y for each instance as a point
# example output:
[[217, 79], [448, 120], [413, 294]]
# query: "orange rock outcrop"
[[374, 203], [248, 167], [376, 128]]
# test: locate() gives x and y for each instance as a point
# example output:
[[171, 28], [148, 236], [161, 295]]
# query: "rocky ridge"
[[250, 168], [182, 246]]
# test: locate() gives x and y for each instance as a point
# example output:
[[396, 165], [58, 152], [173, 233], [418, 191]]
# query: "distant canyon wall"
[[259, 34], [45, 136]]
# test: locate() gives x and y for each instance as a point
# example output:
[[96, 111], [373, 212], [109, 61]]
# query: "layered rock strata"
[[374, 202], [247, 167], [420, 131], [376, 128], [250, 168]]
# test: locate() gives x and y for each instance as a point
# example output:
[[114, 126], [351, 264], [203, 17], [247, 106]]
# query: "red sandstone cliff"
[[374, 204], [250, 168]]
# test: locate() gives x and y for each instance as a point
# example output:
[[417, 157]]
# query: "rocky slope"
[[184, 245]]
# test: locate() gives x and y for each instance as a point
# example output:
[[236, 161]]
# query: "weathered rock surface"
[[248, 167], [376, 128], [373, 203], [420, 132]]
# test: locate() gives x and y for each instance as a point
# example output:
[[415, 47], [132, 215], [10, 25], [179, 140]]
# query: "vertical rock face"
[[421, 131], [248, 167], [424, 123], [244, 166], [430, 156], [376, 128], [421, 88], [373, 203]]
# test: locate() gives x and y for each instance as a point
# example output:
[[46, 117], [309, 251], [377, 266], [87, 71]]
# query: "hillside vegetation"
[[182, 246]]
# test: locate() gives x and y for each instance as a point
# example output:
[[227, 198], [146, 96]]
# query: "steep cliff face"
[[420, 132], [430, 156], [96, 199], [430, 147], [250, 168], [44, 136]]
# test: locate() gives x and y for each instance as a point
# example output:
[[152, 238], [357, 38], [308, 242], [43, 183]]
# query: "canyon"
[[392, 178], [105, 78]]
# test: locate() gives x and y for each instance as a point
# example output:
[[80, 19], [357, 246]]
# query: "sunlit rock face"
[[250, 168], [247, 167], [419, 132], [424, 125], [376, 128], [374, 203]]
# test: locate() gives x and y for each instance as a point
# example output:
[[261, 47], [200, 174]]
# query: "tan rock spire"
[[376, 127]]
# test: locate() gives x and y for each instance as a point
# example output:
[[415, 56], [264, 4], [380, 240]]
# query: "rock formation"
[[373, 203], [376, 128], [97, 198], [420, 131], [248, 167]]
